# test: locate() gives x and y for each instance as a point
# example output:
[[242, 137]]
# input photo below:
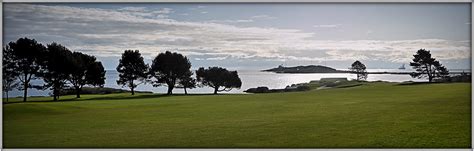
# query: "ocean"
[[250, 79]]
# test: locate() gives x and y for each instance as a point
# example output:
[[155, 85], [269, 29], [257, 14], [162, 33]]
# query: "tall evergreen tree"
[[57, 68], [217, 78], [28, 55], [85, 73], [359, 68], [132, 70], [168, 67], [187, 82], [427, 66], [10, 71]]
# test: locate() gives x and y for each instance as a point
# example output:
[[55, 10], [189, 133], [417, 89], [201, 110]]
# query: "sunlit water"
[[250, 79]]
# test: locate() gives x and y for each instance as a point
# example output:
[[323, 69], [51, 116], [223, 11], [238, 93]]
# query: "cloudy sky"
[[252, 36]]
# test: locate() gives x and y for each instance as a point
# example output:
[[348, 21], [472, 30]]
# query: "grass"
[[374, 115]]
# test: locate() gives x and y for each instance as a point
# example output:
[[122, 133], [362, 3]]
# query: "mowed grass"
[[375, 115]]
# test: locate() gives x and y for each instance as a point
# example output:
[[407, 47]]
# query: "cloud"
[[232, 21], [107, 32], [327, 26], [135, 9], [217, 58], [204, 12], [263, 17], [369, 32]]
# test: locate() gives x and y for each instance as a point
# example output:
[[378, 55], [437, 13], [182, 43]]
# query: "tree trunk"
[[215, 89], [185, 92], [132, 87], [78, 92], [170, 89], [25, 91], [430, 78], [55, 93], [7, 96]]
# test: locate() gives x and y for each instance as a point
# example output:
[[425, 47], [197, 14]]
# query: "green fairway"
[[374, 115]]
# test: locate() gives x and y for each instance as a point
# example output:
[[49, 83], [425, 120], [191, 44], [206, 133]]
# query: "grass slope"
[[370, 116]]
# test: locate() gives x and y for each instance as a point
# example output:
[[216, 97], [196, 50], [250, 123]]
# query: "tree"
[[27, 54], [96, 74], [217, 77], [187, 81], [168, 67], [359, 68], [57, 66], [9, 71], [426, 66], [132, 68], [86, 71]]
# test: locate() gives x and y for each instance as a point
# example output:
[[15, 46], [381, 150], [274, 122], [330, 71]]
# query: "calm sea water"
[[250, 79]]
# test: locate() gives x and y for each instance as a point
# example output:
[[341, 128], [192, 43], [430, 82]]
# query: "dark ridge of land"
[[325, 69], [305, 69]]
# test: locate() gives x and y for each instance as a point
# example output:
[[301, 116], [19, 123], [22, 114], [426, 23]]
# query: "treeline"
[[173, 70], [26, 59]]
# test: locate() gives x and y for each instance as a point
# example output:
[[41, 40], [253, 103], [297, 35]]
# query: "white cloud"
[[106, 32], [164, 11], [135, 9], [263, 17], [204, 12], [327, 26], [217, 58], [232, 21], [369, 32]]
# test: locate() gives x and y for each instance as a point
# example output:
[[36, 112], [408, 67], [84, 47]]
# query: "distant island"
[[305, 69], [325, 69]]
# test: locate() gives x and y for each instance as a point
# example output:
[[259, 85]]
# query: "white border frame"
[[246, 1]]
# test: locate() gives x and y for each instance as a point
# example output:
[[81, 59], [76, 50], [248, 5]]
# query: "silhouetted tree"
[[28, 55], [427, 66], [9, 71], [132, 70], [57, 67], [96, 74], [359, 68], [86, 71], [187, 82], [168, 67], [217, 77]]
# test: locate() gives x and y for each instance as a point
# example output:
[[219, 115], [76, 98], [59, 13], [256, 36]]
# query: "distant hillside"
[[304, 69]]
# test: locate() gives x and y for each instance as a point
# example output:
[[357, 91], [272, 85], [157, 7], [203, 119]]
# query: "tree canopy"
[[167, 67], [28, 55], [187, 82], [9, 71], [217, 77], [427, 66], [57, 67], [86, 71], [132, 70], [359, 68]]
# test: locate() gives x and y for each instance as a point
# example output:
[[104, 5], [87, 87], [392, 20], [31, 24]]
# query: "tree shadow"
[[120, 97], [416, 83]]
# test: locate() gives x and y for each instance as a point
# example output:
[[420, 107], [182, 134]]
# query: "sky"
[[252, 36]]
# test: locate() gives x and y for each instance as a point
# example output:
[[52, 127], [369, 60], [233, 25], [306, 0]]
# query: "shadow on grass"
[[109, 97], [417, 83]]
